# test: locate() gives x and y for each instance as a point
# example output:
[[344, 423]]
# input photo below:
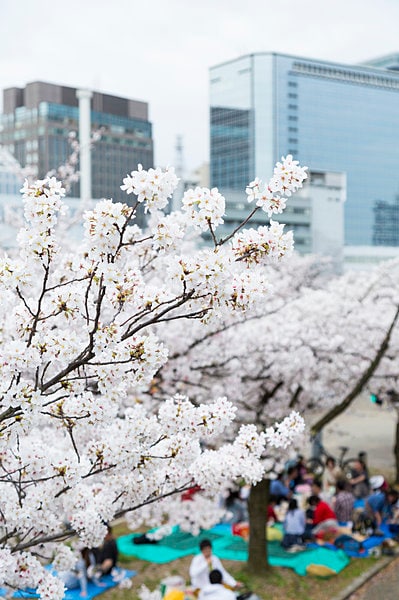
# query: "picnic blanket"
[[371, 542], [176, 545], [92, 589], [229, 547]]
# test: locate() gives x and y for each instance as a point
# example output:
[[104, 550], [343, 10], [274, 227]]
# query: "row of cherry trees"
[[313, 346]]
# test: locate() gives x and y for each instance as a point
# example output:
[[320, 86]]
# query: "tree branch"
[[360, 383]]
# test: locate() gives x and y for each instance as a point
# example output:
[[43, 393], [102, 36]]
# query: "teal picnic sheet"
[[229, 547]]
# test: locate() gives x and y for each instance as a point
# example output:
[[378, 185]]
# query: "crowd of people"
[[309, 509], [318, 508]]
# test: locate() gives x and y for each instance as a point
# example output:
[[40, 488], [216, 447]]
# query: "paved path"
[[364, 426], [383, 586]]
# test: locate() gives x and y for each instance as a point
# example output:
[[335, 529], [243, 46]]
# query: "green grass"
[[276, 583]]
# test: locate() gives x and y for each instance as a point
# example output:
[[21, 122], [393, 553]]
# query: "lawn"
[[277, 584]]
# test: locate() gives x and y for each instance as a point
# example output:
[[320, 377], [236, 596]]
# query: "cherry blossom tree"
[[314, 346], [79, 345]]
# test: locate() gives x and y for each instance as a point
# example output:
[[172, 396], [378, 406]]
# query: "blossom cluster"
[[42, 201], [205, 208], [264, 243], [153, 187], [284, 433], [287, 179]]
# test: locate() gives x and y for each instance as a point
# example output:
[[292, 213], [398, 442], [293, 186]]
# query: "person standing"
[[332, 473], [360, 480], [343, 502]]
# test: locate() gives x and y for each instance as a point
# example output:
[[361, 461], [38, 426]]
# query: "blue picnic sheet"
[[368, 543], [92, 589]]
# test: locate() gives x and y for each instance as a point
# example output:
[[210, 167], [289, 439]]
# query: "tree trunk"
[[396, 450], [257, 545]]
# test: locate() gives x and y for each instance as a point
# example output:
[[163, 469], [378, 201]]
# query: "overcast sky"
[[161, 51]]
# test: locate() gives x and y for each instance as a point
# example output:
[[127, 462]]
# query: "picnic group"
[[319, 510], [305, 510]]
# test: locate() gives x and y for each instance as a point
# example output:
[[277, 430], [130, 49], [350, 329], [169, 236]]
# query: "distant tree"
[[314, 346]]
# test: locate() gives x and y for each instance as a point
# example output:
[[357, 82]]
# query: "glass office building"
[[330, 117], [10, 183], [38, 119]]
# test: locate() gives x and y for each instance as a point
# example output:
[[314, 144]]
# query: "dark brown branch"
[[360, 383]]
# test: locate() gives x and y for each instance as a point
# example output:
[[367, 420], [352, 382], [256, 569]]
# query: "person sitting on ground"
[[215, 590], [271, 516], [324, 518], [379, 505], [106, 555], [77, 577], [343, 502], [205, 562], [331, 474], [360, 480], [279, 489], [388, 510], [235, 508], [317, 490], [294, 525]]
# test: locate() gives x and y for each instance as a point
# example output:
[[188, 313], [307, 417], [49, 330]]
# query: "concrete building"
[[38, 119], [331, 117]]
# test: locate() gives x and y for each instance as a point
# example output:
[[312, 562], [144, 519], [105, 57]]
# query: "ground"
[[364, 426], [384, 586], [279, 584]]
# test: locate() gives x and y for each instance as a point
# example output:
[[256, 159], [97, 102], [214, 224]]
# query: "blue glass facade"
[[331, 117]]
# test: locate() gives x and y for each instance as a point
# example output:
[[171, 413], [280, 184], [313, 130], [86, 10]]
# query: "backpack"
[[363, 524]]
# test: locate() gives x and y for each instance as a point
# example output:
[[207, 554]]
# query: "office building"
[[37, 121], [329, 116], [10, 180]]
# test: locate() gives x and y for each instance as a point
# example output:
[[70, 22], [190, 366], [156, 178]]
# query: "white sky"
[[160, 51]]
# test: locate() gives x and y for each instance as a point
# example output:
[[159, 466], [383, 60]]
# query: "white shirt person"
[[203, 564], [215, 590]]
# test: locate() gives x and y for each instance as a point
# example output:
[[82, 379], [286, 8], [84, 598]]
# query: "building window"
[[292, 95]]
